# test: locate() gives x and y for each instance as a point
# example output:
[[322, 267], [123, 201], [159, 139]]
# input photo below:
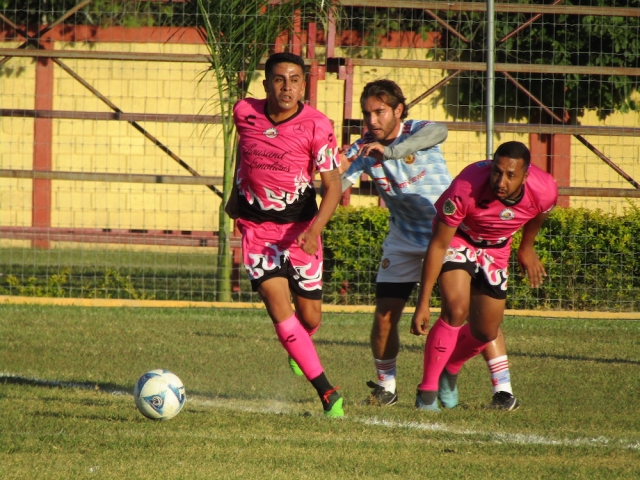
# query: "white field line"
[[509, 438], [497, 437], [280, 408]]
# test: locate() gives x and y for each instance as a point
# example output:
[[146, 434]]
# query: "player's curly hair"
[[514, 149], [282, 57], [388, 92]]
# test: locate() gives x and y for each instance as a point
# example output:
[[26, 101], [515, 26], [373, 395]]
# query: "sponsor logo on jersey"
[[449, 208], [270, 133], [507, 214], [383, 183], [385, 263]]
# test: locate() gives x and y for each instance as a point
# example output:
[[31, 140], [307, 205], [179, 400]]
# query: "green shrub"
[[352, 243], [589, 257], [591, 262]]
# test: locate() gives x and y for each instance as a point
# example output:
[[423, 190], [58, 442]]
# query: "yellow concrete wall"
[[17, 84], [162, 87]]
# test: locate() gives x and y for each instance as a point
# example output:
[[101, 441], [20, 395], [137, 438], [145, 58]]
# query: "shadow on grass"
[[224, 336], [112, 388], [105, 387], [577, 358], [511, 353]]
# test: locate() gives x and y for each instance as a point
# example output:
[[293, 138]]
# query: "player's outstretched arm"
[[332, 187], [429, 135], [440, 240], [528, 259]]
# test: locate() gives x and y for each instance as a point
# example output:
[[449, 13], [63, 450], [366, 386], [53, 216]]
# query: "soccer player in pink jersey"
[[282, 144], [468, 256]]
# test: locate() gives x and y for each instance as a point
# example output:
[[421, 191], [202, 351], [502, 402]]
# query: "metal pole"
[[491, 43]]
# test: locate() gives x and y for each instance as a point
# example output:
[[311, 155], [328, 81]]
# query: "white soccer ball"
[[159, 394]]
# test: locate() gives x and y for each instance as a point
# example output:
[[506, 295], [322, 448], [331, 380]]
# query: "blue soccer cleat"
[[448, 389]]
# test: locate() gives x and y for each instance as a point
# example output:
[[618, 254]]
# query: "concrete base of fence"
[[110, 302]]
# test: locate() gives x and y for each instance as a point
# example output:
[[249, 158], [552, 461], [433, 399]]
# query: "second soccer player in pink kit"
[[468, 256]]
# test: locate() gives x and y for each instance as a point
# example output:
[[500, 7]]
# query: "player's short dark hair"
[[282, 57], [388, 92], [514, 150]]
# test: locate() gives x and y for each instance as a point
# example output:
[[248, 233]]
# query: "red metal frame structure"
[[549, 143]]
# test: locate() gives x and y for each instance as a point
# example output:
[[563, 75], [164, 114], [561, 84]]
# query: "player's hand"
[[373, 149], [308, 243], [345, 162], [531, 266], [420, 321]]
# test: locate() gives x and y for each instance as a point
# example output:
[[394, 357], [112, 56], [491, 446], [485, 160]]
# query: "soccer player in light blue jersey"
[[404, 160]]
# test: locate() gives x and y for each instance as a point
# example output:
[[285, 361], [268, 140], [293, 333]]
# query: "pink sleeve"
[[547, 190], [324, 146], [451, 205]]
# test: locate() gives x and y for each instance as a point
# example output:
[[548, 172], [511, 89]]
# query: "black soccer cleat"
[[380, 397], [504, 401]]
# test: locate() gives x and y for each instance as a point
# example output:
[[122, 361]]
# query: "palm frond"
[[240, 33]]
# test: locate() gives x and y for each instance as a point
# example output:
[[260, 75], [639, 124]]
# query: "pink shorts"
[[270, 250], [487, 266]]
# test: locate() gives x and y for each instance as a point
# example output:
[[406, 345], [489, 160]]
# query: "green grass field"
[[67, 373]]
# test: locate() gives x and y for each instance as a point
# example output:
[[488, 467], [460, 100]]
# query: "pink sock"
[[297, 342], [440, 344], [467, 347]]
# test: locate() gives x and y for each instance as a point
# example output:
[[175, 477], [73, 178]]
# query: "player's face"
[[381, 120], [285, 88], [508, 175]]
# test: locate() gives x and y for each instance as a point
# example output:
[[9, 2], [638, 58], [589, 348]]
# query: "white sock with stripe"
[[386, 371], [500, 376]]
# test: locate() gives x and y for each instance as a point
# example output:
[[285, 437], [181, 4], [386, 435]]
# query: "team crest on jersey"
[[386, 262], [409, 159], [449, 208], [507, 214], [450, 254], [270, 133]]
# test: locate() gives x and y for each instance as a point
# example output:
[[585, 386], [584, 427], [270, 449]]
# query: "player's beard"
[[384, 131]]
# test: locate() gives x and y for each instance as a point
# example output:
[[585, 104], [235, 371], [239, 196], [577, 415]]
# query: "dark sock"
[[321, 384], [427, 397]]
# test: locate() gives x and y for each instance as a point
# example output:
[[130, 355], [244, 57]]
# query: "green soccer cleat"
[[332, 403], [448, 389], [295, 368]]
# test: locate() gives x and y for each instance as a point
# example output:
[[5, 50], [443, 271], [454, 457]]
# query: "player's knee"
[[310, 320], [483, 334], [388, 311], [455, 315]]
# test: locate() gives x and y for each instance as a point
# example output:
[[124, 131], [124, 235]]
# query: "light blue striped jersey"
[[409, 186]]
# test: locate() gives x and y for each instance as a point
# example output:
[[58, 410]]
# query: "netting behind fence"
[[112, 156]]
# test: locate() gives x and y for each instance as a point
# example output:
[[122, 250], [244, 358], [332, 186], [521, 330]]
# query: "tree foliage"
[[565, 40], [34, 14]]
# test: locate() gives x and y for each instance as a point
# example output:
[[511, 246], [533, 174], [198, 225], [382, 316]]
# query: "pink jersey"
[[278, 161], [470, 204]]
